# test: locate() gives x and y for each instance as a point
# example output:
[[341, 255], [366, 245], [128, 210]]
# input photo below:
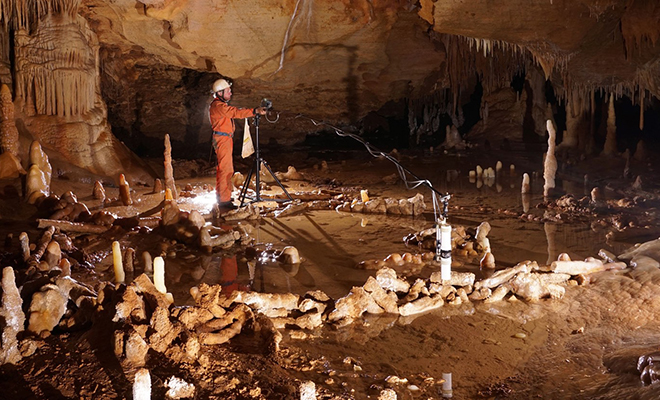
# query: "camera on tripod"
[[267, 104]]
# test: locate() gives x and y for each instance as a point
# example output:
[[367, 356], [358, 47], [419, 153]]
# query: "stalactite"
[[610, 140], [55, 75]]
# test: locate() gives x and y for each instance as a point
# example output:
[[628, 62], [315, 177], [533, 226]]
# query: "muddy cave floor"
[[582, 346]]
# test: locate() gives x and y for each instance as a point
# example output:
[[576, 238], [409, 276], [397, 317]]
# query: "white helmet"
[[220, 84]]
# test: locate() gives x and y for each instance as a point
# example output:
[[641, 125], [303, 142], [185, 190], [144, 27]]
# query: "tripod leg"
[[276, 180], [246, 185]]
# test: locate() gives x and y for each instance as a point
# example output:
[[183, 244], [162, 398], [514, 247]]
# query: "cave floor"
[[584, 345]]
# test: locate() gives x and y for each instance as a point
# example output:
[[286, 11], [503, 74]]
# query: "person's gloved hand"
[[260, 110]]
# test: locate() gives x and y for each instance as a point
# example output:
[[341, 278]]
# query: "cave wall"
[[141, 69]]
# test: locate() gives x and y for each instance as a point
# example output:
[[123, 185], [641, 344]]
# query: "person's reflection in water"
[[229, 278]]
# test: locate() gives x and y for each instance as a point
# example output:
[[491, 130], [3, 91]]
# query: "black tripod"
[[256, 169]]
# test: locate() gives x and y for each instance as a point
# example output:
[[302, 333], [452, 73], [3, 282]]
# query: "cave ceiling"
[[323, 55]]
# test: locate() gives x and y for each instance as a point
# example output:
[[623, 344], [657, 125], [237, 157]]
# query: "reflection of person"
[[222, 122], [229, 270], [229, 280]]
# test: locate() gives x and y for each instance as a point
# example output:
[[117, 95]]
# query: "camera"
[[267, 104]]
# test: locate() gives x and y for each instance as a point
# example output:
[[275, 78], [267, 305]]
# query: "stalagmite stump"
[[124, 191], [99, 191]]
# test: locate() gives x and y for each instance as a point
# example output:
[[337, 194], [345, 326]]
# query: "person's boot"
[[226, 205]]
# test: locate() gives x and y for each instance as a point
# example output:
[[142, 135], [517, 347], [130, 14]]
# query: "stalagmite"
[[25, 245], [124, 191], [550, 163], [129, 259], [53, 254], [8, 132], [525, 188], [610, 140], [120, 276], [169, 172], [98, 192], [11, 312], [40, 158], [159, 274], [36, 185], [147, 263], [487, 261], [158, 186]]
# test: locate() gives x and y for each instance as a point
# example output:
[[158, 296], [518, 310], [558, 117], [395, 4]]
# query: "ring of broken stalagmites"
[[410, 206]]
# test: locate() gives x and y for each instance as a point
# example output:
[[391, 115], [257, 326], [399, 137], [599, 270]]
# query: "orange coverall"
[[222, 121]]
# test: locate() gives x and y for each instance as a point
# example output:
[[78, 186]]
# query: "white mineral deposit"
[[117, 262]]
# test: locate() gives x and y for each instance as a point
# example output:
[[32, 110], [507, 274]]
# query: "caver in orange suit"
[[222, 121]]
